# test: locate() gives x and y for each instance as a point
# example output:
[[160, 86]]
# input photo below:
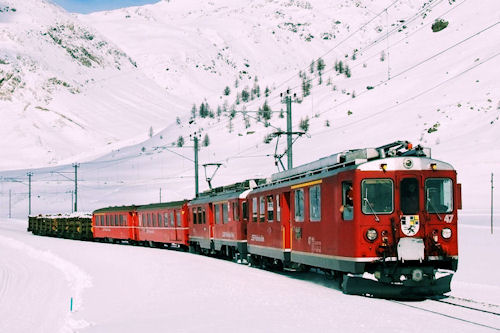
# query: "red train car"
[[218, 220], [390, 211], [164, 224], [115, 223]]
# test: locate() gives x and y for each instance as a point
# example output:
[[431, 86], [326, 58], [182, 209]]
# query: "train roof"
[[160, 205], [115, 209], [227, 192], [395, 154]]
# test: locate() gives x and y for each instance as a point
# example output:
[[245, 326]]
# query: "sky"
[[88, 6]]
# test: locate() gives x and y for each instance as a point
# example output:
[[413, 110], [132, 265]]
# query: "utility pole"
[[195, 137], [29, 174], [289, 130], [76, 166], [10, 203], [492, 203], [160, 194]]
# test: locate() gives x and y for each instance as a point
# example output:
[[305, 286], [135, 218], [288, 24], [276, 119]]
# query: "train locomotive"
[[382, 220]]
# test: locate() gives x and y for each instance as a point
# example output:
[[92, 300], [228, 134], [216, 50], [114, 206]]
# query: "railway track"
[[477, 314]]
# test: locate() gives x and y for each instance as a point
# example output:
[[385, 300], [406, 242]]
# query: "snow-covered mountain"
[[65, 89], [404, 81]]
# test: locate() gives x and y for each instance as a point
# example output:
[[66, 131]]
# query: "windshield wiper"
[[433, 207], [371, 208]]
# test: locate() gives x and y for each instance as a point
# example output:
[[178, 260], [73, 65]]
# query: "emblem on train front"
[[410, 224]]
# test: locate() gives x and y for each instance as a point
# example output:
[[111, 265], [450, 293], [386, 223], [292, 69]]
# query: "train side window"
[[102, 219], [270, 208], [172, 220], [299, 205], [346, 208], [254, 209], [278, 208], [121, 219], [154, 219], [262, 212], [194, 211], [107, 220], [165, 219], [160, 220], [236, 211], [225, 213], [217, 214], [315, 203], [149, 220], [244, 208]]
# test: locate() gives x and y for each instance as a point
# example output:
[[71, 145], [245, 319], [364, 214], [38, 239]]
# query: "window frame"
[[451, 195], [311, 217], [374, 212], [298, 218]]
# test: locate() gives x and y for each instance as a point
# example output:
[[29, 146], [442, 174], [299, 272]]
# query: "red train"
[[384, 220]]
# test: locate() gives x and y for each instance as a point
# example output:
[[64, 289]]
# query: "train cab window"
[[194, 211], [203, 215], [347, 202], [315, 203], [254, 209], [217, 214], [244, 208], [270, 208], [409, 196], [262, 207], [439, 195], [236, 211], [299, 205], [225, 213], [278, 208], [172, 221], [179, 221], [377, 196]]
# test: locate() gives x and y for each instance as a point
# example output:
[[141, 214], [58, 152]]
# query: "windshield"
[[377, 196], [439, 195]]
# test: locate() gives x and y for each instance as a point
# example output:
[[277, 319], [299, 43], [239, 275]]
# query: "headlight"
[[446, 233], [371, 234]]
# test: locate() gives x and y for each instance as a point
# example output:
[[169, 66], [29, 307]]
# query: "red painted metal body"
[[165, 223], [116, 223]]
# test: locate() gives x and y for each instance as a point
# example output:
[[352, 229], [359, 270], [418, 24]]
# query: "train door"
[[410, 205], [285, 220]]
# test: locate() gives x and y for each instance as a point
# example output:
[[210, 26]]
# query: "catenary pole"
[[289, 131], [29, 174], [76, 165]]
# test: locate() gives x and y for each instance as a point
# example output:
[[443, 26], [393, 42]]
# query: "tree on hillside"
[[304, 124], [180, 141], [227, 91], [245, 95], [206, 141]]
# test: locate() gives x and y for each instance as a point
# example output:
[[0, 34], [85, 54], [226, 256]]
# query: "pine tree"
[[151, 132], [193, 111], [304, 124], [245, 95], [227, 91], [206, 141], [311, 67], [267, 92], [180, 141]]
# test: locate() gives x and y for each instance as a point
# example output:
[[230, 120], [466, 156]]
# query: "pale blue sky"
[[88, 6]]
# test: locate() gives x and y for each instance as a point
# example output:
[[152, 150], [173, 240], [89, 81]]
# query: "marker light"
[[446, 233], [383, 166], [433, 166], [371, 234]]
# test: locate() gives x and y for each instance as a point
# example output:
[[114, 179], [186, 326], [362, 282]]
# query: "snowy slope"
[[119, 288], [438, 89], [66, 90]]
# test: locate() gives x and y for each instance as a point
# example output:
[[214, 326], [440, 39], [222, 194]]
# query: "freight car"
[[383, 220], [72, 226]]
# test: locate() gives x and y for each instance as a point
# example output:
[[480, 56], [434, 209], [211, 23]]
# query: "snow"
[[121, 288]]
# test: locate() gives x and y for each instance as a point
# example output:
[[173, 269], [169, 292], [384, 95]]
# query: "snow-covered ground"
[[119, 288]]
